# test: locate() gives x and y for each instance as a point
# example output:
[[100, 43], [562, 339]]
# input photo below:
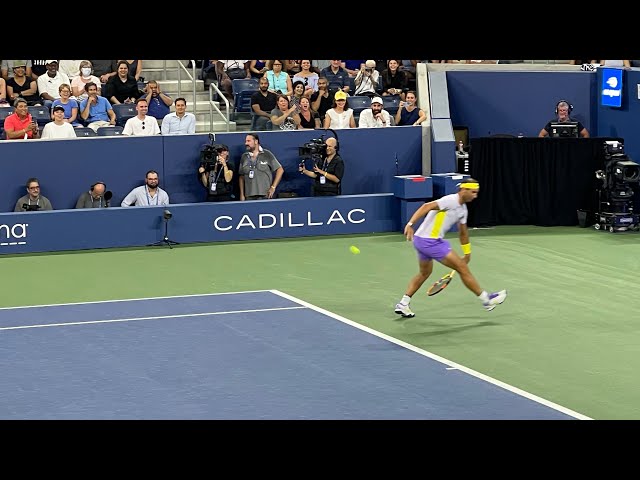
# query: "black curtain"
[[534, 181]]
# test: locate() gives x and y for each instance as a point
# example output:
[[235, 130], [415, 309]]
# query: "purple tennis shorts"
[[431, 248]]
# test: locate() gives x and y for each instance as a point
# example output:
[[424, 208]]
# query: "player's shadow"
[[433, 329]]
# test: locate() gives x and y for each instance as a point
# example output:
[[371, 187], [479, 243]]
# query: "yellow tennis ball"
[[355, 250]]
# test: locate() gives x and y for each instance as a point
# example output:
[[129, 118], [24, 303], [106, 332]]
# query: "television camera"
[[615, 196], [315, 149], [209, 153]]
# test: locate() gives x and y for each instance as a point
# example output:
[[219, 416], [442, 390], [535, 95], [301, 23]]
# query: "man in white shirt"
[[179, 122], [58, 128], [376, 116], [142, 124], [49, 83], [148, 195]]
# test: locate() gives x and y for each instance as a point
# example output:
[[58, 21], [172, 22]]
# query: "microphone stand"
[[165, 240]]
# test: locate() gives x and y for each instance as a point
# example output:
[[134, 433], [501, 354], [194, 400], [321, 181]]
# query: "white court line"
[[132, 299], [438, 358], [133, 319]]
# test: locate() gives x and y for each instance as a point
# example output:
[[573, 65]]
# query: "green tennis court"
[[568, 332]]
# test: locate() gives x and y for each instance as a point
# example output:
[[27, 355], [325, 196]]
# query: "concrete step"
[[160, 64], [161, 75], [185, 85], [203, 127]]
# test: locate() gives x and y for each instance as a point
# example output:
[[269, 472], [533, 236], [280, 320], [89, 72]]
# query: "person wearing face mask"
[[374, 117], [86, 75]]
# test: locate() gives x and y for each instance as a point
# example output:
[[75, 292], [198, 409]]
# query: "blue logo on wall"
[[611, 92]]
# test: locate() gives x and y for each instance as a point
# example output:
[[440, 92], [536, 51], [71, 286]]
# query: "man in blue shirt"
[[158, 101], [179, 122]]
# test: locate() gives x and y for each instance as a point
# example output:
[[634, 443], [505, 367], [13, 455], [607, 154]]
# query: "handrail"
[[189, 76], [212, 105]]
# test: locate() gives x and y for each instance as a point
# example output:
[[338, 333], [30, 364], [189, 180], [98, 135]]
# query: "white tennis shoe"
[[495, 299], [404, 310]]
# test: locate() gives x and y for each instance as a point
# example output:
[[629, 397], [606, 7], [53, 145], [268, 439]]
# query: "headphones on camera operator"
[[107, 195]]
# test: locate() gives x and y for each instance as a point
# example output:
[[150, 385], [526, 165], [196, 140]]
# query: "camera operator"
[[216, 176], [33, 201], [328, 170], [96, 197]]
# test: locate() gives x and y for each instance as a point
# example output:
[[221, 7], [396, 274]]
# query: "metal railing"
[[189, 77], [214, 88]]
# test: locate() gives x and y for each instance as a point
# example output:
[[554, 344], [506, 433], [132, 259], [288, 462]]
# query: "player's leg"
[[425, 269], [489, 300]]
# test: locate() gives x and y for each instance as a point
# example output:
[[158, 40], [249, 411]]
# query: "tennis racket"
[[441, 284]]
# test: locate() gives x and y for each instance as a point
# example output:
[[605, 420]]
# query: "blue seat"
[[4, 113], [110, 131], [42, 115], [391, 103], [85, 132], [124, 111], [359, 103], [243, 89]]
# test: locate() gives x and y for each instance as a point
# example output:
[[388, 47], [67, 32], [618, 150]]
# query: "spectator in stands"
[[218, 179], [96, 110], [70, 67], [3, 93], [394, 81], [292, 67], [158, 101], [58, 128], [367, 80], [7, 68], [327, 172], [49, 83], [259, 171], [135, 69], [376, 116], [33, 201], [307, 77], [95, 197], [22, 86], [263, 102], [279, 81], [20, 124], [142, 124], [149, 194], [563, 109], [298, 93], [79, 82], [122, 87], [322, 100], [258, 68], [229, 70], [285, 116], [409, 113], [308, 118], [409, 68], [337, 76], [69, 104], [340, 116], [179, 122], [104, 69]]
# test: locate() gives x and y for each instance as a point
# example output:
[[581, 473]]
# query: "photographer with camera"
[[32, 201], [367, 79], [328, 167], [216, 173]]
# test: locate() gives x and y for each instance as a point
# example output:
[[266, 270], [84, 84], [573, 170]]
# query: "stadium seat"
[[85, 132], [359, 103], [4, 113], [124, 111], [243, 89], [110, 131], [391, 103], [42, 115]]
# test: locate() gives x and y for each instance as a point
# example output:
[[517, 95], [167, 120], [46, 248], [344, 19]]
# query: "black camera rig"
[[209, 153]]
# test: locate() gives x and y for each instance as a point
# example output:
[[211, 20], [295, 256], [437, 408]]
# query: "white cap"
[[377, 100]]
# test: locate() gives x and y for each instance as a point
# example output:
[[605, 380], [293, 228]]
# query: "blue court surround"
[[246, 355]]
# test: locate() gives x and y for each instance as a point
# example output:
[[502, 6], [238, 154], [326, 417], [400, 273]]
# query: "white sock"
[[405, 300], [484, 296]]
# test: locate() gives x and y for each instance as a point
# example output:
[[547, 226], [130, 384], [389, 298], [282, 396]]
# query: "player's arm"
[[419, 213], [464, 241]]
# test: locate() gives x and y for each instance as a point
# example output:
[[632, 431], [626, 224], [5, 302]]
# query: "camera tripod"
[[165, 240]]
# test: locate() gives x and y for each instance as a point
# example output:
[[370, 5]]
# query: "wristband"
[[466, 248], [410, 224]]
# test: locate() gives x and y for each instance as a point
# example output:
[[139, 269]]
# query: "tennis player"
[[428, 240]]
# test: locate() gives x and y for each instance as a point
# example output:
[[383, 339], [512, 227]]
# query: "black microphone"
[[107, 196]]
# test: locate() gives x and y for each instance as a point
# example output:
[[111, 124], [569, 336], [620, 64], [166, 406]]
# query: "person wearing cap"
[[49, 83], [367, 79], [376, 116], [20, 125], [21, 85], [59, 128], [340, 116], [7, 68]]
